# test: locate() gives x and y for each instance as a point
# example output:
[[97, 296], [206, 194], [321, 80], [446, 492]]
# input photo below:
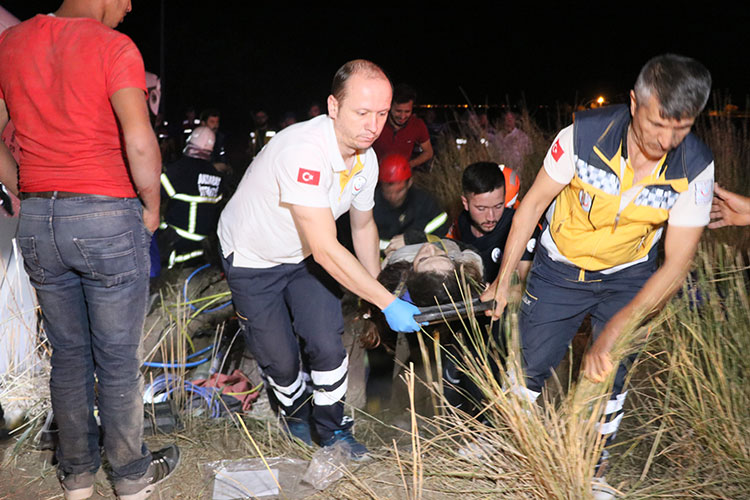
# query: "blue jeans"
[[88, 258]]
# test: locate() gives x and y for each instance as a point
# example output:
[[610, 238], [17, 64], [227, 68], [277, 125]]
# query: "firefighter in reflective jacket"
[[193, 187], [402, 212]]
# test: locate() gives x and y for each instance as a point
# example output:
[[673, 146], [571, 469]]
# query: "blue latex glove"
[[400, 316]]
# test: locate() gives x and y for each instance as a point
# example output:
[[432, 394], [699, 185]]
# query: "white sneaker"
[[600, 490]]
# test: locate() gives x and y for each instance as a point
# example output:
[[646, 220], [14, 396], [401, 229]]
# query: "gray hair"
[[680, 84]]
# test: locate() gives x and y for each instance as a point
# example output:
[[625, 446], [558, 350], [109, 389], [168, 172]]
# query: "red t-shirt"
[[56, 78], [401, 141]]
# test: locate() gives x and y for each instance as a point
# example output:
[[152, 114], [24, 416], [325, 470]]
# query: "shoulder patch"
[[305, 176], [704, 192], [496, 254], [358, 183], [557, 150]]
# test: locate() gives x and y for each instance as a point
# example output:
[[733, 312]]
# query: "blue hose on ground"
[[193, 364], [156, 364], [164, 385], [184, 292]]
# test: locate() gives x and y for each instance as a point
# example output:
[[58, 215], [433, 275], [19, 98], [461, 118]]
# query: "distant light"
[[600, 100]]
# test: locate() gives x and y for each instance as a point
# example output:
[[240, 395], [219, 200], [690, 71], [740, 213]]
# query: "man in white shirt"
[[282, 259]]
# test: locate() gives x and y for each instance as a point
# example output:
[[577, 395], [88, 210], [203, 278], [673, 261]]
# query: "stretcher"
[[448, 312]]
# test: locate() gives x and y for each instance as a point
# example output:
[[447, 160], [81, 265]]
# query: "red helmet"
[[512, 187], [394, 168]]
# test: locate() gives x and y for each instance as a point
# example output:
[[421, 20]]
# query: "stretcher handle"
[[444, 312]]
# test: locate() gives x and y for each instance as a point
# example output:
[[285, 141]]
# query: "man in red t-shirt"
[[403, 131], [88, 177]]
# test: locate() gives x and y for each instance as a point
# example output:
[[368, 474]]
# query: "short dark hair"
[[482, 177], [369, 68], [208, 113], [403, 93], [680, 84]]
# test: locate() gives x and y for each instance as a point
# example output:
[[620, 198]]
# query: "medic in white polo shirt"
[[282, 259]]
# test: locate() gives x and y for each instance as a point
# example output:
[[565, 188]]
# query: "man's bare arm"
[[523, 269], [365, 239], [540, 195], [142, 148], [318, 228], [8, 166], [424, 156], [680, 245], [729, 209]]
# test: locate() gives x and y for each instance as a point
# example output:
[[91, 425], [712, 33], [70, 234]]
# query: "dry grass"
[[729, 140], [444, 179], [685, 435]]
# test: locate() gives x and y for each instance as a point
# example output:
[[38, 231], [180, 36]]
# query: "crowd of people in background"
[[269, 205], [406, 141], [665, 176]]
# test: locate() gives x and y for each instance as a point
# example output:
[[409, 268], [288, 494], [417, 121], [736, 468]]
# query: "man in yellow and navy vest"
[[193, 187], [612, 184]]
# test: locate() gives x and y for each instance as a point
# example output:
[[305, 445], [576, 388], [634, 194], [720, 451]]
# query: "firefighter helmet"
[[394, 168]]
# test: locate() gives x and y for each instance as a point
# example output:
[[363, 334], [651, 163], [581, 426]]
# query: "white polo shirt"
[[301, 165]]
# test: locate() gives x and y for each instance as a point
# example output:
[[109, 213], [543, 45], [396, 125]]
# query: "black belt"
[[62, 194]]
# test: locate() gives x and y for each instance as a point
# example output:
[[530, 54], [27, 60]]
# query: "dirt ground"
[[29, 474], [381, 415]]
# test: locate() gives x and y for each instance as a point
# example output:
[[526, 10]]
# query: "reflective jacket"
[[194, 188], [586, 222]]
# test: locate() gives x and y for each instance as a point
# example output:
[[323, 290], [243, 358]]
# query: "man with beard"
[[485, 221]]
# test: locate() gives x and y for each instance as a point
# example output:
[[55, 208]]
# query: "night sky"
[[241, 55]]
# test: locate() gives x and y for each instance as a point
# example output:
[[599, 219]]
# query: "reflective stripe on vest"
[[436, 223], [193, 202], [167, 185], [175, 258], [188, 235]]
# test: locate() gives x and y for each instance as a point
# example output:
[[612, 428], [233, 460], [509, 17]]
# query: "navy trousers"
[[558, 297], [280, 308]]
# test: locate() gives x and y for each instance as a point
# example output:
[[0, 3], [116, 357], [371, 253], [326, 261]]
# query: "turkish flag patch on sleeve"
[[311, 177], [557, 150]]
